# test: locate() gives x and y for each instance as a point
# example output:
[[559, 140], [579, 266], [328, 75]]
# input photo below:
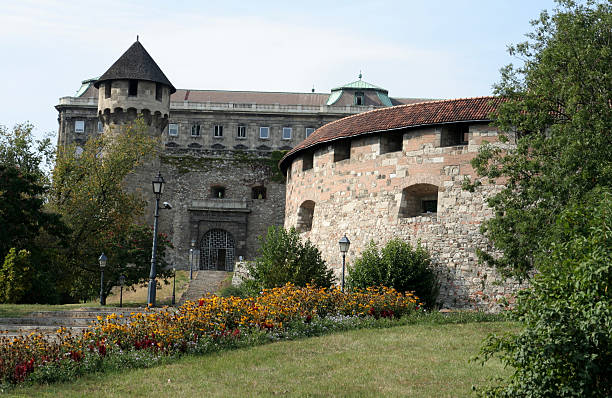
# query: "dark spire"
[[136, 63]]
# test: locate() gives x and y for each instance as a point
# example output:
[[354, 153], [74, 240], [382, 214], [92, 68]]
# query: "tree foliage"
[[15, 276], [396, 265], [283, 258], [565, 349], [559, 116]]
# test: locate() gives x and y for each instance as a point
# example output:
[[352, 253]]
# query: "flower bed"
[[201, 326]]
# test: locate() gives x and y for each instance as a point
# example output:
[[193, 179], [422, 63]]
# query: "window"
[[158, 91], [307, 161], [173, 129], [258, 192], [132, 88], [264, 132], [195, 130], [454, 135], [107, 90], [287, 133], [359, 98], [309, 130], [100, 127], [79, 126], [391, 142], [218, 131], [342, 150], [419, 199], [241, 131], [305, 216], [217, 191]]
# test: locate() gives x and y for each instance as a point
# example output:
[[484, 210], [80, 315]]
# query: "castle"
[[219, 150], [359, 163]]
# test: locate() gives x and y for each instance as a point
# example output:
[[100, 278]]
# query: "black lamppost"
[[121, 282], [344, 246], [158, 189], [191, 259], [102, 261], [174, 285]]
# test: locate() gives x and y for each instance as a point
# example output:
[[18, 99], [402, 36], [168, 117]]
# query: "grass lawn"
[[131, 298], [423, 360]]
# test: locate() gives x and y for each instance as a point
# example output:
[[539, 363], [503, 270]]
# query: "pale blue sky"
[[435, 49]]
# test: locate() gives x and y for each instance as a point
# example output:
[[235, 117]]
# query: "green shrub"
[[397, 265], [283, 258], [15, 280], [565, 348], [233, 291]]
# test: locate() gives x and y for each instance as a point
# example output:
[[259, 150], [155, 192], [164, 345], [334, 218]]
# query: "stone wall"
[[372, 196]]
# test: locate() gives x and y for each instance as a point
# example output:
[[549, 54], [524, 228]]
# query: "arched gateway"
[[217, 250]]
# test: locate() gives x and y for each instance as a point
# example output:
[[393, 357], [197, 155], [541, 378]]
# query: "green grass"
[[131, 298], [420, 360]]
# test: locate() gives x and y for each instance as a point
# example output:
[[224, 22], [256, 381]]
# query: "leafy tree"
[[88, 191], [559, 115], [565, 349], [397, 265], [283, 258], [15, 276]]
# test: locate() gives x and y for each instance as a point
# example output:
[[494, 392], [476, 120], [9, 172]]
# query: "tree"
[[397, 265], [88, 191], [283, 258], [559, 116], [15, 276]]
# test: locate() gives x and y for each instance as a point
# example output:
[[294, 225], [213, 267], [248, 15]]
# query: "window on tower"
[[158, 91], [107, 89], [132, 88]]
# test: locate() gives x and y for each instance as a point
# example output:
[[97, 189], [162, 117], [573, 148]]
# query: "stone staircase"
[[49, 321], [204, 282]]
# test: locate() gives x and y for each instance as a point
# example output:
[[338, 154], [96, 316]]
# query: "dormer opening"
[[132, 88], [359, 98]]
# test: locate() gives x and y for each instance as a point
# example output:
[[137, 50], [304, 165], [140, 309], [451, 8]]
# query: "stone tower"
[[134, 86]]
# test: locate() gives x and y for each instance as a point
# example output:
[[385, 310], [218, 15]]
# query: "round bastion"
[[397, 172]]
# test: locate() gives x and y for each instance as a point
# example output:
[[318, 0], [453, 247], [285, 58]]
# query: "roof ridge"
[[252, 91]]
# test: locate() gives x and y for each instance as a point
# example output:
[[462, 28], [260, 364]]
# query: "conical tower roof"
[[135, 63]]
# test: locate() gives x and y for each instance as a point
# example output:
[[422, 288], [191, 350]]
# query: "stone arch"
[[418, 199], [305, 216], [217, 249]]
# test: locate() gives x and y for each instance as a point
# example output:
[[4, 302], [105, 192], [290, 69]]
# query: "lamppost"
[[344, 246], [158, 189], [174, 285], [102, 261], [191, 259], [121, 282]]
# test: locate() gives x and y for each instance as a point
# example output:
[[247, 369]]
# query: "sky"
[[422, 49]]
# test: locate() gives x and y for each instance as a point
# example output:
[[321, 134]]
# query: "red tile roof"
[[401, 116]]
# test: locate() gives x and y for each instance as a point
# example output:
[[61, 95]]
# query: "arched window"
[[305, 215], [217, 191], [258, 192], [419, 199]]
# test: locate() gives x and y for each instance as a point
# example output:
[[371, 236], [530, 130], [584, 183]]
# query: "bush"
[[15, 276], [397, 265], [565, 348], [284, 258]]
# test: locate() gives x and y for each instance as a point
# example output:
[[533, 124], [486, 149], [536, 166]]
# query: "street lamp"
[[102, 261], [344, 246], [191, 259], [121, 282], [158, 190], [174, 285]]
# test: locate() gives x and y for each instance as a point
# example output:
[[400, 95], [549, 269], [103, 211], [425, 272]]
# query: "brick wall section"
[[362, 198]]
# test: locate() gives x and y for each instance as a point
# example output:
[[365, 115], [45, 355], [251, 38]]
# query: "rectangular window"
[[173, 129], [287, 133], [309, 130], [241, 131], [391, 142], [359, 99], [158, 91], [455, 135], [342, 150], [307, 161], [100, 127], [218, 130], [79, 126], [195, 130], [107, 90], [264, 132], [132, 88]]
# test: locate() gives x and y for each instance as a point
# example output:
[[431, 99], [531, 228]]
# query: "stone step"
[[203, 283]]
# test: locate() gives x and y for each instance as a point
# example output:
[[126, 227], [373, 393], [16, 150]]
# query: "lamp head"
[[102, 260], [158, 185], [344, 244]]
